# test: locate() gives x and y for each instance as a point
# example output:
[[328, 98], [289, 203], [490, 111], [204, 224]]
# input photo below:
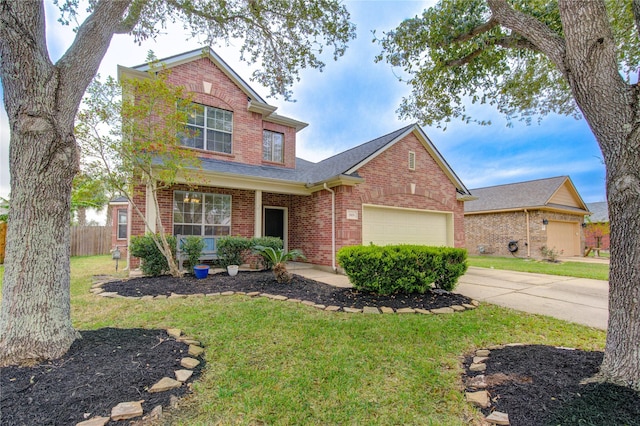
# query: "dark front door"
[[274, 223]]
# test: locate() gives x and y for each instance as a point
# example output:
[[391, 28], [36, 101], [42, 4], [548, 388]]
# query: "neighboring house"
[[597, 231], [526, 216], [394, 189]]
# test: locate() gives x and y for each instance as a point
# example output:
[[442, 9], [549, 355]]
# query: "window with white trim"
[[412, 160], [122, 224], [208, 128], [272, 146], [196, 213]]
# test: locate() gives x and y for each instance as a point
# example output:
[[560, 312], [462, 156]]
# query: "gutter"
[[333, 227]]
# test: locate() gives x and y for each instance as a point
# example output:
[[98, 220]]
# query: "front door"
[[275, 223]]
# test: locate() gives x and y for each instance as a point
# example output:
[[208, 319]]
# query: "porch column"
[[257, 225]]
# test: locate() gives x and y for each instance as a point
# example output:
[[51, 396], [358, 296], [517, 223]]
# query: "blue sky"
[[355, 100]]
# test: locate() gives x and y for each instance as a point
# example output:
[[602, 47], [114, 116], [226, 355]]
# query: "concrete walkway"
[[578, 300]]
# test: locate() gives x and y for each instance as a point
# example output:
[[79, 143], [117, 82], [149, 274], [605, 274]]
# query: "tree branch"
[[484, 28], [538, 34], [80, 63], [635, 5], [132, 18], [511, 42]]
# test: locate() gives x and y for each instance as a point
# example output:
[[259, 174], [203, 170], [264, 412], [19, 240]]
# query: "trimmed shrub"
[[402, 268], [192, 246], [231, 250], [152, 261]]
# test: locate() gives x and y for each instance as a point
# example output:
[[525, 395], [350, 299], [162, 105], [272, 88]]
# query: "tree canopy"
[[459, 53]]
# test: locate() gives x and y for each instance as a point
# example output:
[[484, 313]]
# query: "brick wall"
[[224, 94], [494, 231]]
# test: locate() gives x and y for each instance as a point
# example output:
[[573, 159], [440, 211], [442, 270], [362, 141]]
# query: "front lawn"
[[280, 363], [596, 271]]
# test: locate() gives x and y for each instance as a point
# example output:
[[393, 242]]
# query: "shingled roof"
[[599, 211], [342, 165], [534, 194]]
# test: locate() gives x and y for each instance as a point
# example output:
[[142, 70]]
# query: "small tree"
[[87, 192], [128, 132]]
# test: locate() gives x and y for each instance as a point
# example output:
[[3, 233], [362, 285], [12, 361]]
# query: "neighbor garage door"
[[564, 237], [384, 225]]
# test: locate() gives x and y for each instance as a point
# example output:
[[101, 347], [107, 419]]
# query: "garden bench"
[[209, 252]]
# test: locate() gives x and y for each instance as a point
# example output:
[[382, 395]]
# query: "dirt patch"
[[540, 385], [104, 368], [299, 288]]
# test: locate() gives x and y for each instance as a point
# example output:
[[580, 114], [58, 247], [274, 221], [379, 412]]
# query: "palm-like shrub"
[[277, 258]]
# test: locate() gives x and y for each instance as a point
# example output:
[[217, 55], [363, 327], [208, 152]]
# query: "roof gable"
[[349, 161], [553, 193], [255, 101]]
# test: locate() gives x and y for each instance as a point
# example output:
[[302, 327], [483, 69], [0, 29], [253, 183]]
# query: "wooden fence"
[[85, 240], [90, 240]]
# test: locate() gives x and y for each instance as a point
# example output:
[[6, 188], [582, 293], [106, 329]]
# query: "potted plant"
[[201, 271], [232, 270]]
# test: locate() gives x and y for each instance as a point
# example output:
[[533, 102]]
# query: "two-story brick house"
[[394, 189]]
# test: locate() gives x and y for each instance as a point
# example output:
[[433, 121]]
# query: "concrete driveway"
[[578, 300]]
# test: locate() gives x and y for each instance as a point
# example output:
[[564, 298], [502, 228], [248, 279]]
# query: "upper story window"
[[122, 224], [209, 128], [273, 146], [412, 160]]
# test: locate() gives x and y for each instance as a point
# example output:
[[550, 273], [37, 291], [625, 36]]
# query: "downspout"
[[526, 212], [333, 227]]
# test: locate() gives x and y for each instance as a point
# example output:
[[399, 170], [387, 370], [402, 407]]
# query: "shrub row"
[[402, 268], [231, 251]]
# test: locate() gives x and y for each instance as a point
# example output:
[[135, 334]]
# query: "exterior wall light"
[[545, 221]]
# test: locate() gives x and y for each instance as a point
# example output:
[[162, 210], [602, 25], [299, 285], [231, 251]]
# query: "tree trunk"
[[41, 100], [611, 107], [82, 216]]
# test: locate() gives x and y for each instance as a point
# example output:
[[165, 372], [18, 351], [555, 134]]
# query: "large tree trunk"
[[41, 100], [611, 107]]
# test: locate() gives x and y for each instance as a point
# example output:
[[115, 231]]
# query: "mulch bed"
[[104, 368], [299, 288], [540, 385]]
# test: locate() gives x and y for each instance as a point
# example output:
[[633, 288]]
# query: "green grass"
[[594, 271], [279, 363]]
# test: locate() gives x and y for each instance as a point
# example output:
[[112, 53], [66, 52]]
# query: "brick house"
[[597, 231], [394, 189], [520, 218], [120, 220]]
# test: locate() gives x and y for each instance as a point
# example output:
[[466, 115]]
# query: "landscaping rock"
[[253, 293], [352, 310], [160, 296], [479, 398], [423, 311], [156, 413], [174, 332], [477, 367], [405, 311], [479, 359], [319, 306], [370, 310], [458, 308], [483, 352], [498, 418], [213, 294], [165, 384], [477, 382], [227, 293], [96, 421], [387, 310], [294, 300], [332, 308], [308, 302], [195, 350], [468, 306], [190, 363], [183, 375], [108, 294], [126, 410], [475, 303], [442, 311]]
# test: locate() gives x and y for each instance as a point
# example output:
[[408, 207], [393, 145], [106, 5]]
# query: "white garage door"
[[383, 226], [564, 237]]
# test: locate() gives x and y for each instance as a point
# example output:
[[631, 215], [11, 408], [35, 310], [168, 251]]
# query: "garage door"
[[383, 226], [564, 237]]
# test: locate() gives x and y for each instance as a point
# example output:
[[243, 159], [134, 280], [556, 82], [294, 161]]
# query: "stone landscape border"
[[99, 281], [132, 409]]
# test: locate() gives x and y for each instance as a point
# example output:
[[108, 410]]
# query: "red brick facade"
[[386, 178]]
